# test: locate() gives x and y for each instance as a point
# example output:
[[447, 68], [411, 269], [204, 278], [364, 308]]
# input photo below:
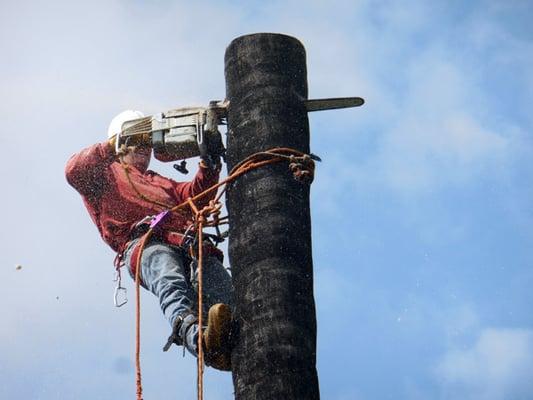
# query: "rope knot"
[[302, 168]]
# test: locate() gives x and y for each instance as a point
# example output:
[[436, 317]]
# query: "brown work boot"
[[217, 337]]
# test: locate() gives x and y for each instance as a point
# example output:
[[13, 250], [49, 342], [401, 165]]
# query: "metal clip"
[[118, 290], [156, 219], [187, 239]]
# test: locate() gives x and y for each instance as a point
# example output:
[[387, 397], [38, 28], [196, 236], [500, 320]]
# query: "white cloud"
[[497, 366], [435, 120], [438, 135]]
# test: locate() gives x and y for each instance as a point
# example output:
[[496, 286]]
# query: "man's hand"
[[208, 163], [113, 143], [143, 140], [213, 152]]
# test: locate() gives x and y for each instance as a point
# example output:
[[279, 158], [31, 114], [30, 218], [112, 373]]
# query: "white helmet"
[[115, 126]]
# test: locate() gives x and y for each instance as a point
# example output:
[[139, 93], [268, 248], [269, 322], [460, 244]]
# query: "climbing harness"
[[302, 167]]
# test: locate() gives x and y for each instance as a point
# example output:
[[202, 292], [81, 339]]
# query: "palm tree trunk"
[[270, 231]]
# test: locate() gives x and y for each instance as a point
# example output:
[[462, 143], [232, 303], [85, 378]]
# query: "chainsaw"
[[193, 131]]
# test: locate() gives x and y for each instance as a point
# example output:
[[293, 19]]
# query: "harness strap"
[[181, 326]]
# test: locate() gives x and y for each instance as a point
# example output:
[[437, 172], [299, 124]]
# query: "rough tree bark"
[[270, 231]]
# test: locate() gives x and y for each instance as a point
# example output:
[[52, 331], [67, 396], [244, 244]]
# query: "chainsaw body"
[[181, 133]]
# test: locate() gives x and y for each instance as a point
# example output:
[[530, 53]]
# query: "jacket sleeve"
[[204, 179], [85, 171]]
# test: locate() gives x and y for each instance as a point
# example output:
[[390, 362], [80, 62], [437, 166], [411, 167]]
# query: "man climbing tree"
[[122, 197]]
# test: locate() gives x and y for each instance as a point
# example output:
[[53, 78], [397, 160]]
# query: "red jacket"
[[113, 204]]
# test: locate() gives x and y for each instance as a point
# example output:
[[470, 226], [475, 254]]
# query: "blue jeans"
[[166, 272]]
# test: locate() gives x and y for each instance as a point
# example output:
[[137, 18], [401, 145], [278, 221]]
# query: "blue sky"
[[422, 208]]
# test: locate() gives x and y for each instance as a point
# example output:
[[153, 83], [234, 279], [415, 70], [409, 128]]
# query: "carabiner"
[[119, 289]]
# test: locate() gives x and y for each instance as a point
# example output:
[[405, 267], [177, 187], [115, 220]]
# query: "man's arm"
[[85, 171], [204, 179]]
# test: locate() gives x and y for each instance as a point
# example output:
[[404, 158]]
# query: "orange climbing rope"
[[138, 379], [300, 164], [200, 346], [199, 220]]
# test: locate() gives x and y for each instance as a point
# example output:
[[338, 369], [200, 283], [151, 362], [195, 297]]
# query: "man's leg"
[[216, 282], [163, 272]]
